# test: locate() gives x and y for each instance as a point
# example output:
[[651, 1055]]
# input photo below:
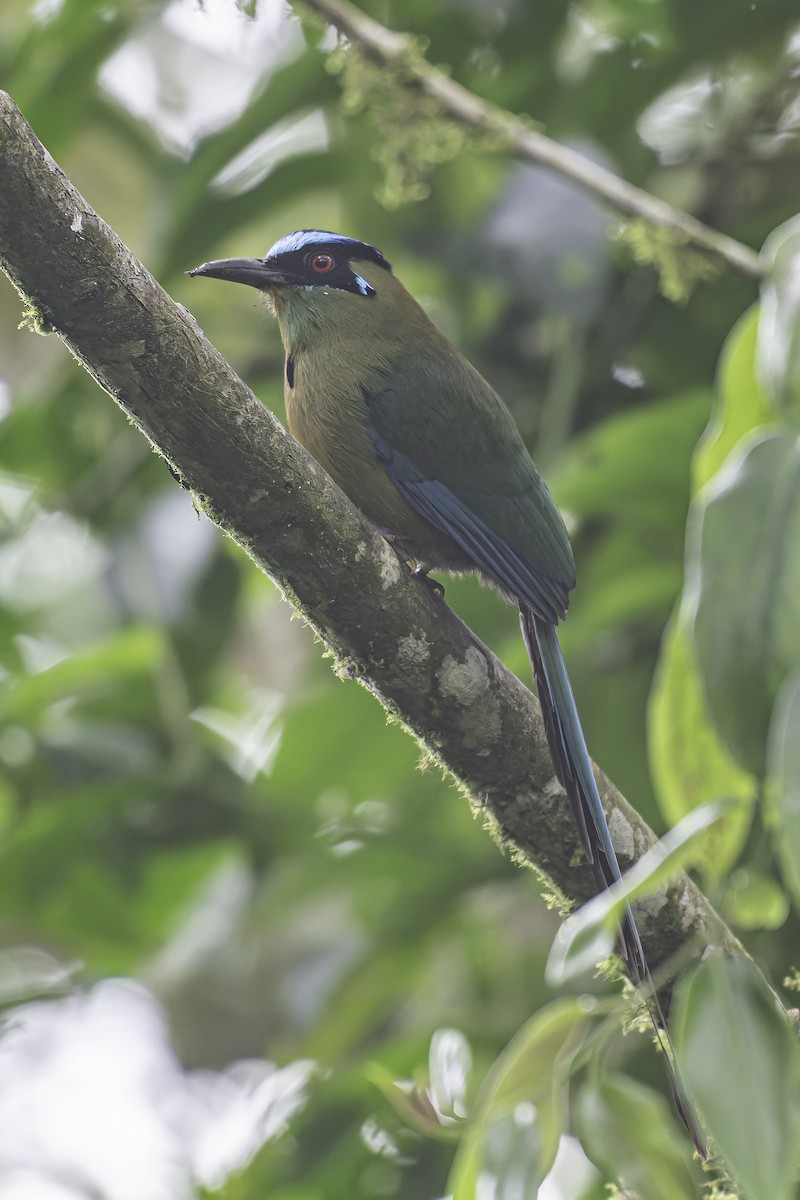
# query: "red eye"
[[321, 263]]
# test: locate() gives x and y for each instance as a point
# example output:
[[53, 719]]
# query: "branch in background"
[[471, 714], [401, 52]]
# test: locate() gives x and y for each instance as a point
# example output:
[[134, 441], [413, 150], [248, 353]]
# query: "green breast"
[[325, 411]]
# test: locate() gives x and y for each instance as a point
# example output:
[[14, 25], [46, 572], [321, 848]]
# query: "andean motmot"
[[426, 449]]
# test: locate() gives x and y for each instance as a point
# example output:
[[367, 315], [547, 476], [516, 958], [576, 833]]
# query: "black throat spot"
[[290, 370]]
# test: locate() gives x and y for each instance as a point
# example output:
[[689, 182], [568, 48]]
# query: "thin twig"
[[401, 51]]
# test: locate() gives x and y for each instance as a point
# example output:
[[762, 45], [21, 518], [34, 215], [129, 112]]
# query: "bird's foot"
[[420, 572]]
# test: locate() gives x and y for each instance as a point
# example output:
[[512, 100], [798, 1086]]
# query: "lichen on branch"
[[414, 134]]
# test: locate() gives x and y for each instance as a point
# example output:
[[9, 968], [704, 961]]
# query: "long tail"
[[574, 770]]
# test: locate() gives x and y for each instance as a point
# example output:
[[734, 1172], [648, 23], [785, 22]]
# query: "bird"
[[424, 446]]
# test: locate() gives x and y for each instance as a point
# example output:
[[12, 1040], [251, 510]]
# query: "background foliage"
[[213, 851]]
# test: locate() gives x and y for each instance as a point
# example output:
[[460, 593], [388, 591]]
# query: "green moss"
[[680, 267], [552, 895], [721, 1189], [425, 761], [414, 135], [792, 980], [343, 666], [34, 319]]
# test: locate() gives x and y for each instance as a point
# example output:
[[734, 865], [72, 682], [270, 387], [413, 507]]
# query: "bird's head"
[[311, 279]]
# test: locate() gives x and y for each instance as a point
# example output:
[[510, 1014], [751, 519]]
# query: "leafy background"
[[232, 909]]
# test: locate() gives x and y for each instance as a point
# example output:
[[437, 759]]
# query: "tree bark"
[[250, 477]]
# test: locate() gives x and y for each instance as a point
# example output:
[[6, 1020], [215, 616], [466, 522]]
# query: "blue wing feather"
[[540, 584], [492, 556], [540, 608]]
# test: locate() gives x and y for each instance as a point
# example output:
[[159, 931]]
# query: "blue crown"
[[304, 239]]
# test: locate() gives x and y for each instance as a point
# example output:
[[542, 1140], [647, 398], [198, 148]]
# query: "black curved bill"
[[253, 271]]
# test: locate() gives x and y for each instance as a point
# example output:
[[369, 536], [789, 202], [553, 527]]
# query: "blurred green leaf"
[[745, 560], [779, 325], [753, 900], [438, 1109], [109, 901], [740, 1064], [628, 578], [690, 765], [61, 57], [100, 667], [588, 935], [784, 775], [520, 1110], [635, 464], [293, 89], [539, 1052], [326, 719], [251, 737], [412, 1104], [627, 1129], [639, 590], [580, 947], [740, 404], [450, 1064], [514, 1156]]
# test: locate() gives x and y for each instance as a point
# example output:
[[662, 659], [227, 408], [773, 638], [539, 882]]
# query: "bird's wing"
[[462, 465]]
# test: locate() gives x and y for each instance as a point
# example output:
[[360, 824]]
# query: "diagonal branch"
[[250, 477], [401, 51]]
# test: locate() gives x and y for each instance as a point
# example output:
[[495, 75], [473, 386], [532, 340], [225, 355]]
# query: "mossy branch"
[[469, 712]]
